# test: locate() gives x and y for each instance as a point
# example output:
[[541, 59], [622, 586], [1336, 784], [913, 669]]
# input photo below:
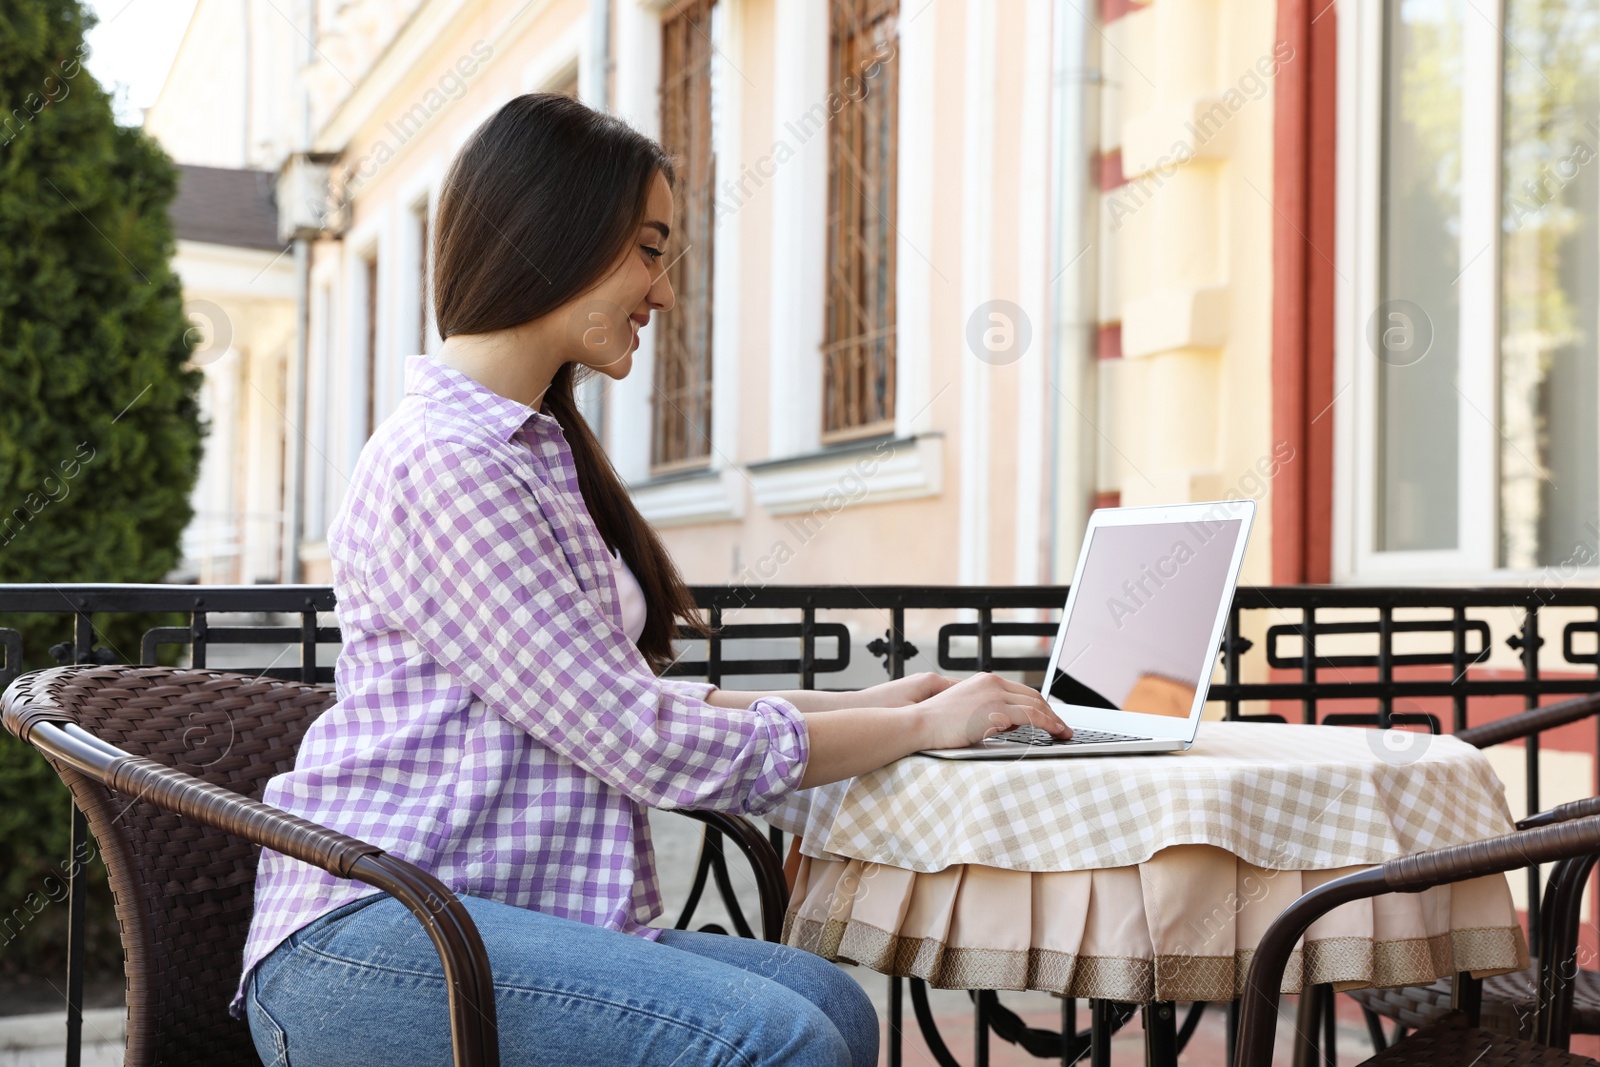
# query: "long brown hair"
[[537, 207]]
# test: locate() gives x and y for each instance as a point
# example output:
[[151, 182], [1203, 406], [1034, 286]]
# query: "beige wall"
[[1189, 405], [1182, 417]]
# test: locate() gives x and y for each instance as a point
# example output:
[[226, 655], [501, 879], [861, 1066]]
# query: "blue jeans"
[[363, 985]]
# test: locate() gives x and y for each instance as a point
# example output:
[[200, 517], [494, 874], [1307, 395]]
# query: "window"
[[1419, 240], [1549, 282], [680, 434], [369, 273], [419, 223], [859, 335], [319, 413], [1477, 262]]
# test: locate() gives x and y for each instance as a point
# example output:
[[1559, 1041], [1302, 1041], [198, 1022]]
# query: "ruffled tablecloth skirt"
[[1181, 926]]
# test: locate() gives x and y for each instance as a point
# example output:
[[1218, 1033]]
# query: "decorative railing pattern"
[[1377, 656]]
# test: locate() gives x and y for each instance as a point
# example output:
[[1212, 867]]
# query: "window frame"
[[370, 311], [1361, 115], [418, 220], [798, 198], [369, 239]]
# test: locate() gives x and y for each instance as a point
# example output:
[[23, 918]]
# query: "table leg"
[[1306, 1021], [897, 1013], [1160, 1034], [930, 1029], [1466, 994], [1102, 1025], [980, 1030], [1330, 1051], [1069, 1030]]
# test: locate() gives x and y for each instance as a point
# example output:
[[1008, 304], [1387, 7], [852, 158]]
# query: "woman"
[[505, 610]]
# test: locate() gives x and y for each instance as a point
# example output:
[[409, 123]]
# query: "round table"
[[1152, 878]]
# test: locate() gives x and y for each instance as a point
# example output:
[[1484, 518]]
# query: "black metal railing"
[[1350, 655]]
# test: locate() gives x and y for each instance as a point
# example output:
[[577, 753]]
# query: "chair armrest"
[[1576, 809], [1533, 721], [474, 1032], [1409, 874], [771, 887]]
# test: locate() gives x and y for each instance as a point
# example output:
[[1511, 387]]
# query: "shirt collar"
[[428, 377]]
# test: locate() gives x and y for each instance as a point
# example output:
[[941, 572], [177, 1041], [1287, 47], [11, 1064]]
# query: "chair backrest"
[[184, 892]]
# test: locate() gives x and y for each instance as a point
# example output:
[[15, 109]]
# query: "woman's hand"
[[854, 739], [912, 689], [964, 713]]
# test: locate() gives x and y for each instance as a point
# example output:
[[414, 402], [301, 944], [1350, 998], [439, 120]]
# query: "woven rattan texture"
[[1508, 1002], [1451, 1041], [1493, 855], [184, 892]]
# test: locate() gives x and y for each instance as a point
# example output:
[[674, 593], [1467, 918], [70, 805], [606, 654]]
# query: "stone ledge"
[[904, 468], [691, 497], [1174, 319], [1164, 138]]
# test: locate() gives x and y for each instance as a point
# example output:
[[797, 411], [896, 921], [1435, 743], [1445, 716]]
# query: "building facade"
[[239, 294], [865, 378], [955, 272]]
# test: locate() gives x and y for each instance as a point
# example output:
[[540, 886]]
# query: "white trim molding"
[[368, 241], [420, 192], [727, 116], [210, 270], [324, 406], [868, 472], [913, 286], [559, 56], [636, 100], [686, 500], [977, 288], [799, 227], [1033, 295]]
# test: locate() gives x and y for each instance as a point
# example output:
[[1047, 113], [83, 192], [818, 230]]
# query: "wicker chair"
[[1457, 1036], [1510, 1001], [168, 766]]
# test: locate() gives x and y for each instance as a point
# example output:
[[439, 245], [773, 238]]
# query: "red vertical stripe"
[[1320, 279], [1109, 344], [1112, 10], [1111, 175], [1302, 302]]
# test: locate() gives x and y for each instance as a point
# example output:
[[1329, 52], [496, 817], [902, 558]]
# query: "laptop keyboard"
[[1033, 735]]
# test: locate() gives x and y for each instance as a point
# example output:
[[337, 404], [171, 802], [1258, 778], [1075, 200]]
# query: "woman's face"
[[603, 324]]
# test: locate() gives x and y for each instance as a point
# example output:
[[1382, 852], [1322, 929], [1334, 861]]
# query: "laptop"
[[1140, 633]]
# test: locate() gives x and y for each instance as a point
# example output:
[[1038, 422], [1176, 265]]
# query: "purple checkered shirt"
[[495, 725]]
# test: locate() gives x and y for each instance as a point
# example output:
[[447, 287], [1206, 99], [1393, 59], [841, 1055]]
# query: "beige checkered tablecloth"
[[1285, 797], [1152, 877]]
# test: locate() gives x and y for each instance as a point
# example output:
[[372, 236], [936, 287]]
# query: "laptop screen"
[[1140, 632]]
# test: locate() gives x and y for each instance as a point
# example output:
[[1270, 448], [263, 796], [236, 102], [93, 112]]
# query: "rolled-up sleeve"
[[472, 568], [687, 687]]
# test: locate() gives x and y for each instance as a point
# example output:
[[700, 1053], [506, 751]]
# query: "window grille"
[[859, 341], [681, 402]]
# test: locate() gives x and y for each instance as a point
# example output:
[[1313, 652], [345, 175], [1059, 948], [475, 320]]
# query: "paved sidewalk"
[[40, 1040], [37, 1040]]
